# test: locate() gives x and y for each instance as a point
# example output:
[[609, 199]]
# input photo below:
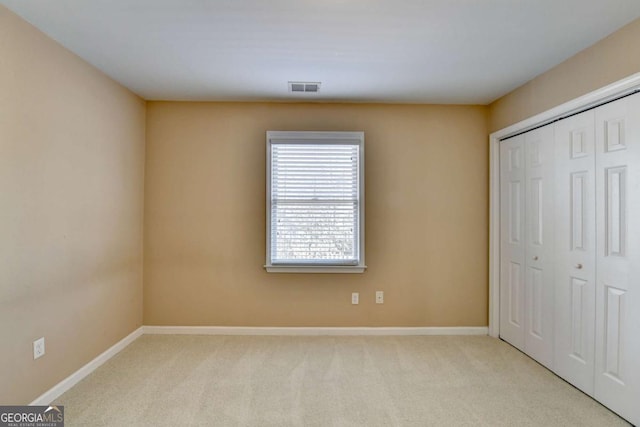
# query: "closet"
[[570, 250]]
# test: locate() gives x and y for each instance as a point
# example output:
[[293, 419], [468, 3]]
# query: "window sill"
[[315, 268]]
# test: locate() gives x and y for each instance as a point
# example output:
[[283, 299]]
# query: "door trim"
[[592, 99]]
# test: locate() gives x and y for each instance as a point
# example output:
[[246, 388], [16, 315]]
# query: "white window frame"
[[315, 138]]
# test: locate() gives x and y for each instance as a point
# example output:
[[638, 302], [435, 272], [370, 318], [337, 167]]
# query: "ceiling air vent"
[[300, 87]]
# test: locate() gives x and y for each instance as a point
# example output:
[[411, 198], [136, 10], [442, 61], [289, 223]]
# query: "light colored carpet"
[[166, 380]]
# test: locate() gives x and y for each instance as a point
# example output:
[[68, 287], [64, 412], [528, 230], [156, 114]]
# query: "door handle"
[[535, 258], [579, 266]]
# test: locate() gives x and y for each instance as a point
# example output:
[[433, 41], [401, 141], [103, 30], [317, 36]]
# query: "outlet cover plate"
[[38, 348], [355, 298]]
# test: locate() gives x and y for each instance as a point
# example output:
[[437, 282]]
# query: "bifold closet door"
[[512, 244], [617, 359], [526, 292], [570, 250], [539, 244], [575, 242]]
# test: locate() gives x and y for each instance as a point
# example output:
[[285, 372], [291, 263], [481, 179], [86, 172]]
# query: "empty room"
[[335, 213]]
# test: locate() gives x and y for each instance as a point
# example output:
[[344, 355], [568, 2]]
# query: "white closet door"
[[512, 241], [575, 242], [618, 257], [539, 242]]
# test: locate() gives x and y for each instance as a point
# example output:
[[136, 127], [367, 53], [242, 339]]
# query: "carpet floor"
[[180, 380]]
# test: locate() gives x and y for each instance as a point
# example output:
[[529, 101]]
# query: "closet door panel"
[[575, 242], [512, 241], [539, 216], [618, 280]]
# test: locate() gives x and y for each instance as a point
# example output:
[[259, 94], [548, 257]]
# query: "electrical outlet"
[[355, 298], [379, 297], [38, 348]]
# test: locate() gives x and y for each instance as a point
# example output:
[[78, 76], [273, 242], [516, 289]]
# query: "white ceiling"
[[417, 51]]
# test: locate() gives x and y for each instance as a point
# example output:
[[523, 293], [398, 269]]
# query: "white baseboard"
[[249, 330], [73, 379]]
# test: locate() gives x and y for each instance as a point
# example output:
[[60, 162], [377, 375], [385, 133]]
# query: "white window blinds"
[[315, 202]]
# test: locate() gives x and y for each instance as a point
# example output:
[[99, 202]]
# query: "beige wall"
[[426, 217], [607, 61], [71, 184]]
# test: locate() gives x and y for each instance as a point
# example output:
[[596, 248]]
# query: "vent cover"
[[302, 87]]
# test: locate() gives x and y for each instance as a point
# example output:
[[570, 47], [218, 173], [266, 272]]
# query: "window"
[[315, 202]]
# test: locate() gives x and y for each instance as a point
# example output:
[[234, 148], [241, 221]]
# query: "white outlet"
[[38, 348], [379, 297], [355, 298]]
